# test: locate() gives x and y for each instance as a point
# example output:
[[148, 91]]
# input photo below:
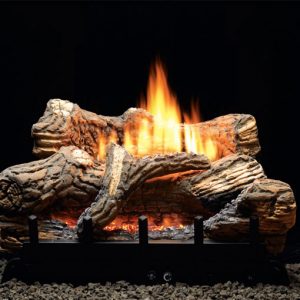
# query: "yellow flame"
[[162, 104], [103, 141], [130, 223], [166, 133], [144, 144]]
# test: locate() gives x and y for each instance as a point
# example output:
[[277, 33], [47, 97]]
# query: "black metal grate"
[[145, 261]]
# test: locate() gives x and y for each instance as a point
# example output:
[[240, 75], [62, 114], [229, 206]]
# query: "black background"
[[233, 57]]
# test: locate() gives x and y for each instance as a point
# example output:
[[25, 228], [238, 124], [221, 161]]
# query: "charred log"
[[271, 200], [123, 174], [68, 178], [14, 231], [124, 183], [65, 123], [72, 177], [199, 192]]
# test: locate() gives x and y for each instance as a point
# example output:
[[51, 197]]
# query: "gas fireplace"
[[154, 160]]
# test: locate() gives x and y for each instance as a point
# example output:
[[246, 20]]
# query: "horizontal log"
[[65, 123], [68, 178], [124, 173], [203, 192], [271, 200]]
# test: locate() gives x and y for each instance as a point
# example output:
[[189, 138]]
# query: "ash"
[[186, 232], [61, 231], [172, 233]]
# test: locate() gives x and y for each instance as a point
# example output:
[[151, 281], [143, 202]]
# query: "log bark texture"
[[197, 192], [68, 178], [65, 123], [71, 177], [271, 200], [14, 231], [124, 173]]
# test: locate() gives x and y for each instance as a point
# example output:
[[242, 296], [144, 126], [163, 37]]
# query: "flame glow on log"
[[130, 223], [165, 133], [127, 223]]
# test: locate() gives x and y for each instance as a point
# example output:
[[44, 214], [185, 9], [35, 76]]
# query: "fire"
[[69, 221], [161, 102], [103, 140], [194, 141], [130, 223], [127, 223], [166, 133], [68, 217]]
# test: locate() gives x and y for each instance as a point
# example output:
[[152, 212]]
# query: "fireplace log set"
[[226, 191]]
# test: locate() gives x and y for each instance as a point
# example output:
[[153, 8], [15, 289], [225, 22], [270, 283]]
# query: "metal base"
[[150, 263], [196, 261]]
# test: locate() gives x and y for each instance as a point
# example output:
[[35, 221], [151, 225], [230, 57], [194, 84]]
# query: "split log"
[[271, 200], [65, 123], [202, 193], [68, 178], [124, 173]]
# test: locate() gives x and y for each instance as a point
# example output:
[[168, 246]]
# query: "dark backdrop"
[[233, 57]]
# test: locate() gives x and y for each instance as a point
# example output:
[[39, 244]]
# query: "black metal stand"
[[87, 230], [145, 261], [198, 230]]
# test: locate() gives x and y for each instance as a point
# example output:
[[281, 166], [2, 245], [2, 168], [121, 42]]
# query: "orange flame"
[[103, 141], [127, 223], [130, 224], [194, 140], [162, 104], [166, 133], [68, 217]]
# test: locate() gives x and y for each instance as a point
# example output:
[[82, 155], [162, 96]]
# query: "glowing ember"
[[68, 217], [130, 223], [127, 223], [165, 134]]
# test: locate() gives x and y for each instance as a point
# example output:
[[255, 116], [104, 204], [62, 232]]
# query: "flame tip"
[[166, 133]]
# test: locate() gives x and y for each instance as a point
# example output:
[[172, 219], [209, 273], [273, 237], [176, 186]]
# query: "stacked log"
[[226, 191], [65, 123]]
